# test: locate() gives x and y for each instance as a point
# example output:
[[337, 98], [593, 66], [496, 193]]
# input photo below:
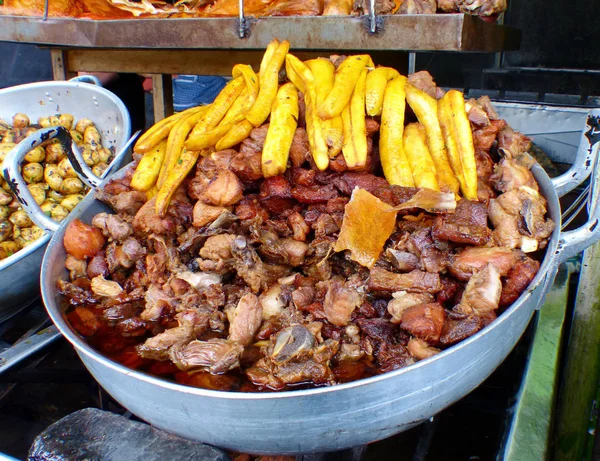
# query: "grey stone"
[[96, 435]]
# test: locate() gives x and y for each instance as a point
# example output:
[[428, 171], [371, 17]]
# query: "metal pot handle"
[[575, 241], [87, 78], [585, 160]]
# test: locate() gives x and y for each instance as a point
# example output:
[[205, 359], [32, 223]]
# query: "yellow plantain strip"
[[270, 50], [314, 129], [348, 149], [160, 131], [269, 83], [464, 139], [391, 151], [238, 132], [238, 108], [147, 171], [419, 158], [209, 139], [357, 113], [252, 82], [425, 108], [323, 70], [220, 106], [284, 120], [449, 131], [345, 79], [186, 162], [176, 139], [377, 80]]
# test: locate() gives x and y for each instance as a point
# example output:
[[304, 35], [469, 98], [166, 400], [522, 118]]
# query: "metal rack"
[[211, 46]]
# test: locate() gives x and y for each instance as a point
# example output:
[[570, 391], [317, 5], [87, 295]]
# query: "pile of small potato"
[[49, 175], [435, 153]]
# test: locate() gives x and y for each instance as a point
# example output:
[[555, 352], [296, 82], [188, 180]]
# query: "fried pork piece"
[[215, 355], [415, 281], [402, 300], [519, 221], [248, 265], [478, 7], [340, 301], [294, 357], [467, 225], [425, 321], [157, 347], [112, 226], [245, 320], [482, 293], [474, 259], [418, 7], [510, 175], [517, 280], [420, 349], [423, 79]]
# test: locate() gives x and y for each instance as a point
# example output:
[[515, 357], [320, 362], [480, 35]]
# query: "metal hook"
[[243, 23], [372, 17], [45, 17]]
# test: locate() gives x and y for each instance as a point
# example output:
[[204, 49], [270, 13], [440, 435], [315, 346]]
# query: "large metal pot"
[[341, 416], [19, 273]]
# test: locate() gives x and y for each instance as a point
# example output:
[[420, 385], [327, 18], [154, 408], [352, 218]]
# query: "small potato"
[[105, 155], [91, 136], [66, 120], [9, 137], [44, 122], [71, 186], [29, 235], [5, 198], [77, 137], [4, 212], [16, 233], [33, 172], [54, 196], [20, 120], [52, 177], [38, 192], [8, 248], [20, 219], [83, 124], [90, 155], [66, 169], [71, 201], [6, 230], [55, 152], [5, 148], [99, 169], [54, 120], [54, 210], [36, 155]]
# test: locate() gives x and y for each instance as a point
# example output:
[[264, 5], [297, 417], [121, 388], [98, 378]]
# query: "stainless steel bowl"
[[19, 273], [341, 416]]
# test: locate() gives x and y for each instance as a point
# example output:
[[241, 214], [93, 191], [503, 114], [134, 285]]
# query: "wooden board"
[[443, 32]]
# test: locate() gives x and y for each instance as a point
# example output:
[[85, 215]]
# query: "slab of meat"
[[424, 321], [157, 347], [215, 355], [248, 265], [415, 281], [246, 320], [471, 260], [482, 293], [467, 225]]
